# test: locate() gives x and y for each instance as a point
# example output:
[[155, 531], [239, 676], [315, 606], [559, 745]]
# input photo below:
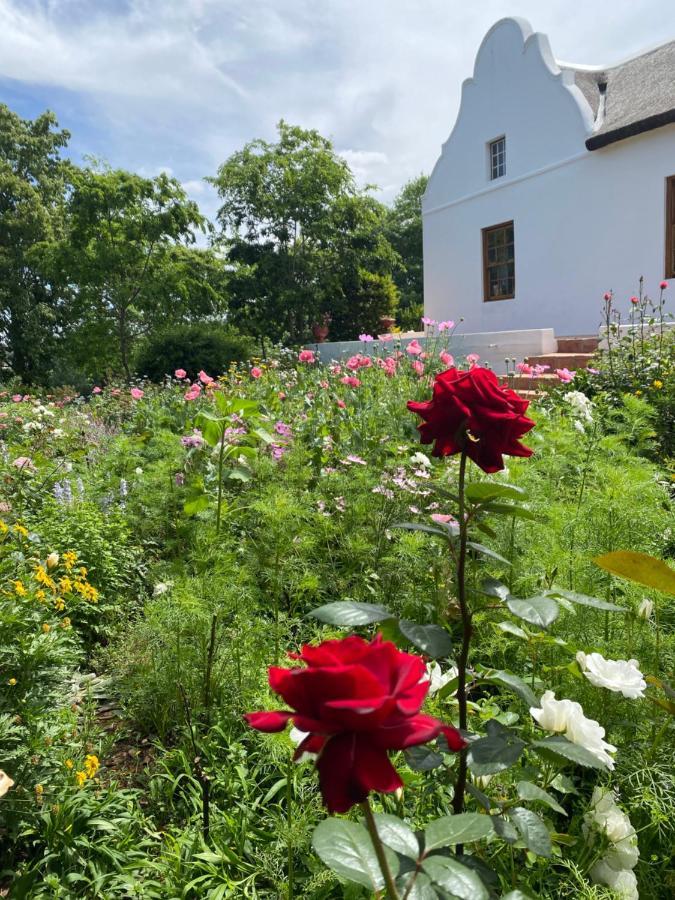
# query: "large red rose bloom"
[[471, 411], [357, 700]]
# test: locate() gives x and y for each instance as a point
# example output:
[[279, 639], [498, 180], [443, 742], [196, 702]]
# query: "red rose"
[[356, 700], [471, 411]]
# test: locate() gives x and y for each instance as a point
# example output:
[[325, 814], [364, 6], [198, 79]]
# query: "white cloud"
[[181, 84]]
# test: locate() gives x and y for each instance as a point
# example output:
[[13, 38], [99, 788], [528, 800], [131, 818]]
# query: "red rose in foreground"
[[471, 411], [357, 700]]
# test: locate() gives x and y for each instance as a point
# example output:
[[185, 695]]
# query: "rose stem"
[[379, 850], [460, 784]]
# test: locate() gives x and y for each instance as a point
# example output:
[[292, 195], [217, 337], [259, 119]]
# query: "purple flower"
[[193, 440], [366, 338], [283, 429]]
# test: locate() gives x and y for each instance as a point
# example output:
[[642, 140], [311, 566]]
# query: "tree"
[[404, 231], [32, 188], [296, 231], [126, 254]]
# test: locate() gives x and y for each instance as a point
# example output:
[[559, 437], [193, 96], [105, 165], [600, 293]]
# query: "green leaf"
[[422, 758], [210, 426], [455, 878], [513, 683], [432, 640], [528, 791], [460, 829], [558, 746], [264, 436], [516, 895], [421, 889], [346, 848], [584, 600], [639, 567], [196, 505], [511, 509], [349, 613], [496, 752], [239, 473], [485, 551], [541, 611], [510, 628], [482, 491], [532, 830], [397, 836], [494, 588]]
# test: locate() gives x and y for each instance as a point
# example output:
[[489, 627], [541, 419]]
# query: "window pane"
[[498, 262], [498, 158]]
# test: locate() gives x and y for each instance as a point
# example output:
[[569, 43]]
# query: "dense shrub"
[[202, 345]]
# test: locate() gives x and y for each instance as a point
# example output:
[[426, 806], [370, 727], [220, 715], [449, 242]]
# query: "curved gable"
[[517, 90]]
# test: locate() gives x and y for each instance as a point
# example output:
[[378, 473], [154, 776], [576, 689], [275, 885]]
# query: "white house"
[[556, 184]]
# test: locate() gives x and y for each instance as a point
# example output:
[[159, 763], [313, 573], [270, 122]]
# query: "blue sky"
[[178, 85]]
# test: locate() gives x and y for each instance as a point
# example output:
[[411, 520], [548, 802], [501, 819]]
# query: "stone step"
[[526, 383], [571, 361], [583, 343]]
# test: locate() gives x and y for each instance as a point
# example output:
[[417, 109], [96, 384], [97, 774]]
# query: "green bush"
[[202, 345]]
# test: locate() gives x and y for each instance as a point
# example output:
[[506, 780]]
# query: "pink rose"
[[565, 375], [418, 367], [136, 393], [96, 390], [414, 348], [180, 374], [306, 356], [204, 378], [256, 372], [446, 358]]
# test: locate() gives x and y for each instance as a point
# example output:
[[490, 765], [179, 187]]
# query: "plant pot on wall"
[[387, 323]]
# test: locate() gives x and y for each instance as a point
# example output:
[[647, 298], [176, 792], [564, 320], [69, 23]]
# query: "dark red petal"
[[415, 730], [313, 743], [350, 766], [272, 721]]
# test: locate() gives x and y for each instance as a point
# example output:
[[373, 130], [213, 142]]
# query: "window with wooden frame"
[[497, 158], [499, 266], [670, 227]]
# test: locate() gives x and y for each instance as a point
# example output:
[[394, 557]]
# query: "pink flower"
[[525, 369], [23, 462], [351, 381], [446, 326], [607, 296], [663, 285], [193, 392], [442, 519], [256, 372], [385, 338], [539, 370], [96, 390], [472, 359], [306, 356], [414, 347], [283, 429], [204, 378], [353, 363], [446, 358], [335, 369], [565, 375], [342, 404], [634, 301], [427, 321], [352, 459], [418, 367], [180, 374], [366, 338], [17, 398], [115, 392], [136, 393]]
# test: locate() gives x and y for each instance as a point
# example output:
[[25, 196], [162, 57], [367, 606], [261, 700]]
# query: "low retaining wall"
[[493, 347]]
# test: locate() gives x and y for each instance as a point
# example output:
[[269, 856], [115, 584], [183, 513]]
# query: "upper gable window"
[[497, 158]]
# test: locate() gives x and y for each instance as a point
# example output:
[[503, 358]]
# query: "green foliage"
[[207, 346], [404, 232]]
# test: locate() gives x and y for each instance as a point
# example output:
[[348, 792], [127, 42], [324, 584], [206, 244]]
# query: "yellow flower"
[[39, 789], [657, 384], [59, 604], [42, 577], [80, 778], [52, 560], [40, 595], [83, 572], [638, 393], [20, 530], [65, 622], [46, 627], [65, 585], [19, 588], [3, 527], [11, 682], [68, 764], [69, 559], [91, 765]]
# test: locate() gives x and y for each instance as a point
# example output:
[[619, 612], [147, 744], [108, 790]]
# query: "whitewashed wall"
[[584, 221]]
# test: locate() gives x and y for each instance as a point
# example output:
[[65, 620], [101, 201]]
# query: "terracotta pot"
[[387, 323], [320, 333]]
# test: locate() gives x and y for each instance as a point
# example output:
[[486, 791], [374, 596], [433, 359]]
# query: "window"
[[499, 270], [497, 158], [670, 227]]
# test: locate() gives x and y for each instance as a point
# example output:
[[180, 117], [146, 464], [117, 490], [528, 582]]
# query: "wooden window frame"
[[486, 282], [491, 167], [670, 227]]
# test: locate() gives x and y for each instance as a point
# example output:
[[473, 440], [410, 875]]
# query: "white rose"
[[605, 816], [53, 560], [438, 678], [138, 470], [420, 459], [623, 881], [619, 675], [567, 717], [5, 783]]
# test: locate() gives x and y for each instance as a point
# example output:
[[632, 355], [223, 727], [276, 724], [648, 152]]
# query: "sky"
[[179, 85]]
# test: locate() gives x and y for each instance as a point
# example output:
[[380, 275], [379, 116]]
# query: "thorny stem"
[[379, 851], [460, 784]]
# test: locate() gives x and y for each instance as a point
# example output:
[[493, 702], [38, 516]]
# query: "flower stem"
[[379, 851], [460, 784]]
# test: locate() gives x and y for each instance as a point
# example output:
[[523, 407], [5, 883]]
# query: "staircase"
[[573, 353]]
